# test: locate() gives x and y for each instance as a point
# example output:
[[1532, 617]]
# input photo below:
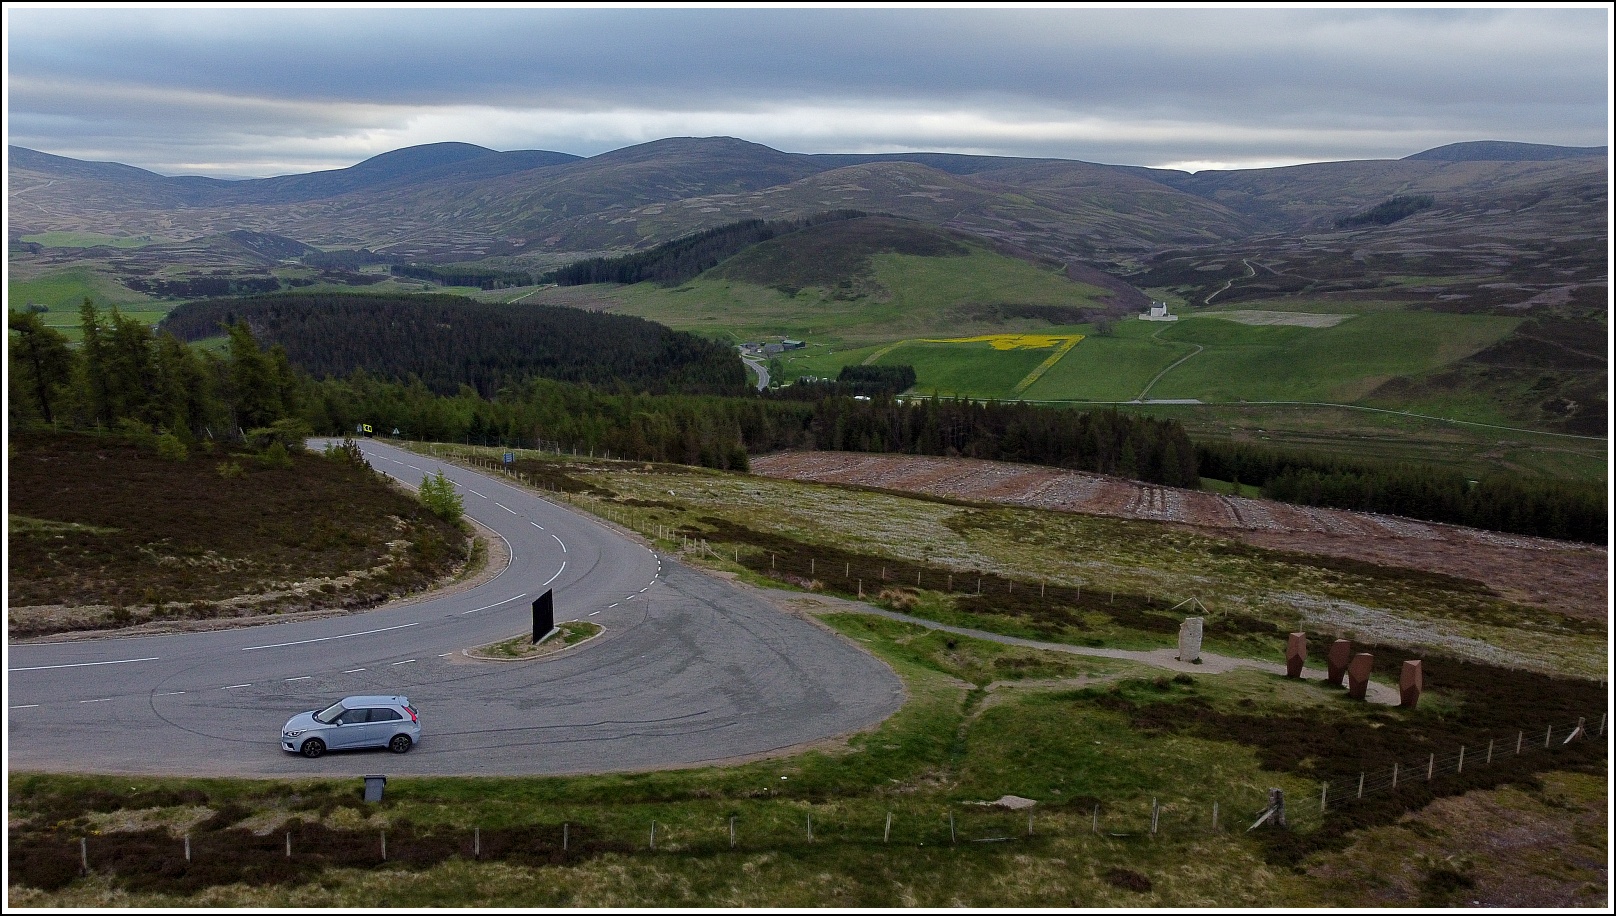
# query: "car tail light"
[[411, 711]]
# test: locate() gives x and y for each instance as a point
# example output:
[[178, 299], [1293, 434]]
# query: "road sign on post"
[[543, 615], [510, 458]]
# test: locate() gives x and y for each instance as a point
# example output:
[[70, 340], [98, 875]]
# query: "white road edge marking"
[[102, 700], [505, 507], [173, 694], [476, 609], [593, 613], [474, 492], [352, 670], [561, 542], [122, 661], [25, 706], [406, 661], [300, 642], [537, 525], [235, 686], [305, 677]]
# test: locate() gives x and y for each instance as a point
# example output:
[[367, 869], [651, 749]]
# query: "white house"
[[1158, 312]]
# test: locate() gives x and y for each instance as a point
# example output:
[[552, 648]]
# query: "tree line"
[[450, 341], [682, 259], [1388, 212], [1497, 501], [125, 374], [480, 277]]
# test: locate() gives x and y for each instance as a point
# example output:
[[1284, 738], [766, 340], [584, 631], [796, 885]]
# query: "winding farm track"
[[689, 670]]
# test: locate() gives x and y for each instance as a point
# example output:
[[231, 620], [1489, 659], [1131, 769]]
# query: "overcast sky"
[[237, 92]]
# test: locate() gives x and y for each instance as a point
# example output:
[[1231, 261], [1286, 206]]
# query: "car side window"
[[384, 715], [355, 716]]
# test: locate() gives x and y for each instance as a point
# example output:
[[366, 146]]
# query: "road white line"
[[121, 661], [235, 686], [593, 613], [557, 574], [300, 642], [505, 507], [174, 693], [306, 677], [474, 492], [412, 466], [561, 542], [406, 661], [537, 525], [497, 604], [352, 670], [102, 700], [612, 605], [445, 655], [26, 706]]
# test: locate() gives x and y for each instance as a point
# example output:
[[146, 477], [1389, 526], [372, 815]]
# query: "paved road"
[[755, 363], [689, 670]]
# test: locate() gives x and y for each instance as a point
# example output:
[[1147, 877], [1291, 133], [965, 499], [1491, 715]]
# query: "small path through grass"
[[1166, 658], [1175, 365]]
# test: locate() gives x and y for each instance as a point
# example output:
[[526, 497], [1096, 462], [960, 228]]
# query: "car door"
[[385, 722], [350, 729]]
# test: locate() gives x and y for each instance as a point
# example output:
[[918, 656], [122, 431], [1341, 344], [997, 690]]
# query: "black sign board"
[[543, 614]]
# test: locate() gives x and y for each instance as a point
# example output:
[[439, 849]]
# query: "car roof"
[[375, 701]]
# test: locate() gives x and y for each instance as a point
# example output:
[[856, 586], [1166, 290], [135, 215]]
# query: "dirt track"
[[1563, 576]]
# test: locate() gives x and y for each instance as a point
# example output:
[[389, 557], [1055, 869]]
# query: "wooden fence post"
[[187, 847], [732, 832], [886, 835], [84, 855], [476, 842]]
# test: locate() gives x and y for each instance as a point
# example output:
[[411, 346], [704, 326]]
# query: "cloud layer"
[[268, 91]]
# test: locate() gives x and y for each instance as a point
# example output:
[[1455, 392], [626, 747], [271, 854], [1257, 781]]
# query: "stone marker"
[[1189, 640], [1412, 683], [1295, 654], [1336, 661], [1358, 675]]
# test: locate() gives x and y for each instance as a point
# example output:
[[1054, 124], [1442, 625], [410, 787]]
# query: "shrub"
[[170, 448], [439, 496], [230, 470], [275, 456]]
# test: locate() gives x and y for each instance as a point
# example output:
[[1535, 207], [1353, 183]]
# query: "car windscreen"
[[329, 714]]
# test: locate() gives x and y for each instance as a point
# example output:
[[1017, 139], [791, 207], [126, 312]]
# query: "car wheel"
[[399, 744], [313, 748]]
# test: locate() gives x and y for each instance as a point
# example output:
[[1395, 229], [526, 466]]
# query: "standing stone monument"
[[1336, 661], [1358, 675], [1411, 684], [1189, 640], [1295, 654]]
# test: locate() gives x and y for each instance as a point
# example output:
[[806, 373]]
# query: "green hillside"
[[850, 285]]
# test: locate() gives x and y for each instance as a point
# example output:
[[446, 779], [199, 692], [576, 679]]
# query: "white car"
[[353, 722]]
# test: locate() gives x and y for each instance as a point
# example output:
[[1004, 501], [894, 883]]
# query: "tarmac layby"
[[690, 670]]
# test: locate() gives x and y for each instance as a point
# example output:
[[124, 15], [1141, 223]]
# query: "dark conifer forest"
[[449, 341]]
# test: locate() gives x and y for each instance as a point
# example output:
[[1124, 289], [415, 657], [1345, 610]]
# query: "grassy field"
[[93, 239], [63, 291], [917, 297]]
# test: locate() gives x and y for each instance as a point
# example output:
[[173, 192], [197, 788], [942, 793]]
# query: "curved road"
[[689, 670]]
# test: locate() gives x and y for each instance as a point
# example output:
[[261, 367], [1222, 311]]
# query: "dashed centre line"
[[474, 492], [299, 642], [494, 605], [352, 670], [407, 661], [505, 507], [235, 686], [102, 700]]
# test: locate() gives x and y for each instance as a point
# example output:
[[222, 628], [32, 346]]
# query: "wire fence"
[[765, 824]]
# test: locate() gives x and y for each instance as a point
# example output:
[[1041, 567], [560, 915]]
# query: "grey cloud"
[[1391, 75]]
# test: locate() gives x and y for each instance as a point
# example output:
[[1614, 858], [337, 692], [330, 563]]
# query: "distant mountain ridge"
[[1506, 151], [459, 203]]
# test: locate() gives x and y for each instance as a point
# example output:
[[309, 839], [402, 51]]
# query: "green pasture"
[[972, 369], [916, 297], [1342, 363], [93, 240]]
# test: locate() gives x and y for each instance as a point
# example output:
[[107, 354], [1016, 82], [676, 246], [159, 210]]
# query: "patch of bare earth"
[[1562, 576]]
